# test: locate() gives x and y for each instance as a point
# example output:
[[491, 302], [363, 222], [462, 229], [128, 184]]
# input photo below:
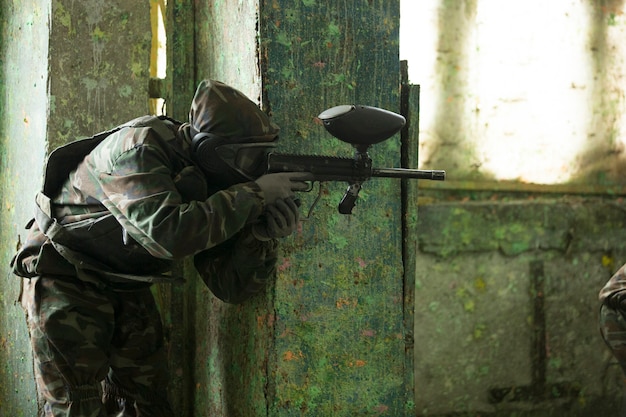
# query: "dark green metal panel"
[[410, 100], [177, 300], [181, 64], [339, 346]]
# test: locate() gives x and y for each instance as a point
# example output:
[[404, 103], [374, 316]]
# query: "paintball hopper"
[[361, 126]]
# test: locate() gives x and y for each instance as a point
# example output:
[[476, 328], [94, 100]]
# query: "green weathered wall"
[[99, 64], [338, 312], [505, 284], [508, 273], [507, 324], [328, 338], [69, 69], [233, 342], [226, 44], [23, 119]]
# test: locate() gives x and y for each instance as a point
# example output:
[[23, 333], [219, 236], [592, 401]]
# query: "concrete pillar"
[[68, 70]]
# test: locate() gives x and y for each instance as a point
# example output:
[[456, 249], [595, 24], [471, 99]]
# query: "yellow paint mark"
[[480, 284], [607, 261]]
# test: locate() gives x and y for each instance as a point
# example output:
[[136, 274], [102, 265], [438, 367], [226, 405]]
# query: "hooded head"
[[230, 135]]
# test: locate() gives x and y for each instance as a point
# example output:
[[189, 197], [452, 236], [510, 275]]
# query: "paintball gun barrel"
[[360, 126]]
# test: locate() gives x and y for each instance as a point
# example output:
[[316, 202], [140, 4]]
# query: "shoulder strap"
[[65, 158], [60, 163], [55, 232]]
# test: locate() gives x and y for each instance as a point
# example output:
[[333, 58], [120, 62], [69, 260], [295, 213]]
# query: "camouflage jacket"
[[137, 202], [614, 291]]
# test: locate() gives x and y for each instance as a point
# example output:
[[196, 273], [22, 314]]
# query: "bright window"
[[158, 54], [529, 91]]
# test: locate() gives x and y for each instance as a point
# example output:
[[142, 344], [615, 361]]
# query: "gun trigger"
[[317, 199]]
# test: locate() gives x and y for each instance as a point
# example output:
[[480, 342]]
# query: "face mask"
[[248, 159]]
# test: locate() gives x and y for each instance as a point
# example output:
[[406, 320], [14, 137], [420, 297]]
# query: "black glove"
[[282, 185], [278, 220]]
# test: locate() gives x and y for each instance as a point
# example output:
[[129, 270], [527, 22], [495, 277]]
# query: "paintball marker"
[[360, 126]]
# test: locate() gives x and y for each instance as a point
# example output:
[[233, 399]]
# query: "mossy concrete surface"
[[507, 307]]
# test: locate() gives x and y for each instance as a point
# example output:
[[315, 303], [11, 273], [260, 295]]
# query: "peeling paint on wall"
[[73, 82], [106, 87], [23, 111]]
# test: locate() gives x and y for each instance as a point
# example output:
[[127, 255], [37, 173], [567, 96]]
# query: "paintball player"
[[613, 321], [114, 212]]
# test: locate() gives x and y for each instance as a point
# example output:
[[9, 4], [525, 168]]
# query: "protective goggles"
[[248, 159]]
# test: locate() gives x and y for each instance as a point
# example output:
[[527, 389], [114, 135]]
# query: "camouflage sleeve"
[[137, 187], [614, 290], [239, 268]]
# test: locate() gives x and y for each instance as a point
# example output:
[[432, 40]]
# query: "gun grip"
[[348, 200]]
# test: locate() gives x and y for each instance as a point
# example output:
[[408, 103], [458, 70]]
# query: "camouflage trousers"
[[97, 352]]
